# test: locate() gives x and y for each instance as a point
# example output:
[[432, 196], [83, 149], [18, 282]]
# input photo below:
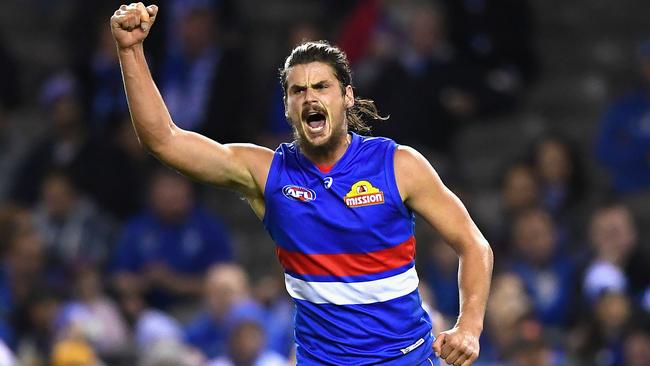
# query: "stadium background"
[[534, 112]]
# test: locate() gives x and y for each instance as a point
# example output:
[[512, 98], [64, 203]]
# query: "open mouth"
[[315, 119]]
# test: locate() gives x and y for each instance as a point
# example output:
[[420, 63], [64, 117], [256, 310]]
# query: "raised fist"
[[130, 24]]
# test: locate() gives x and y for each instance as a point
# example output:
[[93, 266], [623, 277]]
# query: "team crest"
[[363, 193], [299, 193]]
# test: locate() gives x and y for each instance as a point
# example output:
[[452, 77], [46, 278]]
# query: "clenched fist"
[[130, 24], [457, 347]]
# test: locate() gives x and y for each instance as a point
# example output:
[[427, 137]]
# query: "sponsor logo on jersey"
[[363, 193], [299, 193], [328, 182]]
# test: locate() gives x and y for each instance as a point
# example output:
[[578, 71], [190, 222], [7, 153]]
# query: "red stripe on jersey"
[[325, 168], [348, 264]]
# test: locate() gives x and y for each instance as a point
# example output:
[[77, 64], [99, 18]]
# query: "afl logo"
[[299, 193]]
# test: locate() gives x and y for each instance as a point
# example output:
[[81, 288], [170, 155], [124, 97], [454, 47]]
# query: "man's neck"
[[326, 156]]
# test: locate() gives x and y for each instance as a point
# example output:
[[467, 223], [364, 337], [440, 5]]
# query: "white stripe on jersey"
[[352, 293]]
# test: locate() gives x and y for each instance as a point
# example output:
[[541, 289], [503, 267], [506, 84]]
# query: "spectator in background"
[[107, 99], [549, 275], [22, 269], [165, 251], [72, 228], [618, 263], [36, 324], [92, 315], [599, 339], [169, 353], [246, 346], [623, 143], [507, 305], [226, 294], [561, 177], [271, 292], [64, 143], [636, 346], [124, 195], [519, 191], [73, 352], [562, 186], [198, 78], [7, 357], [13, 146], [438, 90], [65, 146], [13, 222]]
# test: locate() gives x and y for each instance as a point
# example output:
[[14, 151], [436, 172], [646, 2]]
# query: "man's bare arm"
[[423, 191], [242, 167]]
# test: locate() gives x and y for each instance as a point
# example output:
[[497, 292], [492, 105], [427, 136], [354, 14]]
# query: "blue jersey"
[[346, 242]]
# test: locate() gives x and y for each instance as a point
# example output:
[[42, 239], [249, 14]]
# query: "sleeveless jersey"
[[346, 242]]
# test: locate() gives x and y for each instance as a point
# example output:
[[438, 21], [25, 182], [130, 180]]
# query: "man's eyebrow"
[[296, 87], [314, 85]]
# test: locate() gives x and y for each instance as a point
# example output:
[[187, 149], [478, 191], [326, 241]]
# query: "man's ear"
[[349, 97]]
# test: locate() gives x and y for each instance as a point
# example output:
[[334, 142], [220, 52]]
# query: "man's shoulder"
[[366, 139]]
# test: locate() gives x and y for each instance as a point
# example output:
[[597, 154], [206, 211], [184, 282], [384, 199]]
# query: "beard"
[[335, 139]]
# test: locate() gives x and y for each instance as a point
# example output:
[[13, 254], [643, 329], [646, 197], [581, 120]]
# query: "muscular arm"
[[423, 191], [242, 167]]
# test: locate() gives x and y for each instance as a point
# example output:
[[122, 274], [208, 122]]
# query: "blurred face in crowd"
[[106, 46], [553, 161], [426, 30], [26, 254], [520, 188], [128, 141], [637, 349], [315, 105], [88, 284], [444, 257], [534, 236], [508, 301], [533, 355], [246, 343], [43, 313], [225, 285], [59, 197], [197, 31], [171, 197], [613, 234], [66, 115], [612, 312], [507, 304]]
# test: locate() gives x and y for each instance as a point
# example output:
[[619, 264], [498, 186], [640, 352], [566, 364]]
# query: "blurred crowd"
[[109, 258]]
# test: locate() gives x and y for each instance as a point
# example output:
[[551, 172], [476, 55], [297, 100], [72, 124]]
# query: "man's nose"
[[310, 96]]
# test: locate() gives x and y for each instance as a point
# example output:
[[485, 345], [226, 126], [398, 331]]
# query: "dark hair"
[[576, 183], [322, 51]]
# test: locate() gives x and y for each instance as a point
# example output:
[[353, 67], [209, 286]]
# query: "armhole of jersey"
[[392, 180], [270, 181]]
